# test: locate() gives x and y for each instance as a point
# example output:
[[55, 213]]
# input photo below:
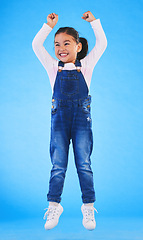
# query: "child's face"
[[66, 48]]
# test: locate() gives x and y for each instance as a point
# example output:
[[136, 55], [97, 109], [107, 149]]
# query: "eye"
[[57, 44], [67, 44]]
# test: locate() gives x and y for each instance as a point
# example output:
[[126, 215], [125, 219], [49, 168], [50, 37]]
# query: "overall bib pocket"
[[69, 85]]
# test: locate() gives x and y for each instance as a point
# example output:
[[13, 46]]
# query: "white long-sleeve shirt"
[[87, 64]]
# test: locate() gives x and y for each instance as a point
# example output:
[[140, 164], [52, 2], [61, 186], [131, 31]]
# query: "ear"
[[79, 47]]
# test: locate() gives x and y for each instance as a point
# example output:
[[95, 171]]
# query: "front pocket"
[[86, 108], [86, 105]]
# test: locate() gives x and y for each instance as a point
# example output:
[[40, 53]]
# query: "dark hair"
[[72, 32]]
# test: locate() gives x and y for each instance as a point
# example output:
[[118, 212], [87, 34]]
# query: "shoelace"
[[89, 213], [49, 213]]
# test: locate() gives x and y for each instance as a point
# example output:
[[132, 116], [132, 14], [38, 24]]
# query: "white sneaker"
[[88, 217], [52, 214]]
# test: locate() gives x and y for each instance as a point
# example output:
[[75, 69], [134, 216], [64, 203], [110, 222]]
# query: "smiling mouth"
[[63, 54]]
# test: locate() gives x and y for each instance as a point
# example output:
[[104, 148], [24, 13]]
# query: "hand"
[[52, 19], [88, 16]]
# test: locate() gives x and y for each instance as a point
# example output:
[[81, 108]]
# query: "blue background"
[[25, 105]]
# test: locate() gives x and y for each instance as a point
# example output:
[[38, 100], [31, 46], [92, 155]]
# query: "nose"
[[62, 47]]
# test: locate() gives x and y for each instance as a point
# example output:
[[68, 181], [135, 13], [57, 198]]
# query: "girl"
[[70, 79]]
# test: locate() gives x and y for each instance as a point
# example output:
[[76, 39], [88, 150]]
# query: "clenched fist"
[[88, 16], [52, 19]]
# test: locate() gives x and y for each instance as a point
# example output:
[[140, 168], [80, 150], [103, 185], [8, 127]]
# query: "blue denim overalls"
[[71, 120]]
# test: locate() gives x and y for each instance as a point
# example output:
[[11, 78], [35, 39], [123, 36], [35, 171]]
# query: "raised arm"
[[101, 42], [38, 41]]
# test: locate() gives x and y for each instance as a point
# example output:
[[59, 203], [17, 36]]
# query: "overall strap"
[[61, 65]]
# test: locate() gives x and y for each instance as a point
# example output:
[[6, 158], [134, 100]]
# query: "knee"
[[58, 172], [84, 166], [59, 168]]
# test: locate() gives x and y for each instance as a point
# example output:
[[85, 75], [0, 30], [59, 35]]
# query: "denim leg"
[[59, 148], [82, 140]]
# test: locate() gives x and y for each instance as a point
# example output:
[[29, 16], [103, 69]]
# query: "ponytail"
[[84, 49]]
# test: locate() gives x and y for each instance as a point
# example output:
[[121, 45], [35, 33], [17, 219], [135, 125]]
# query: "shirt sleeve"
[[49, 63], [92, 58]]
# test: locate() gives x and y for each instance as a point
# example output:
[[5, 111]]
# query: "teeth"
[[63, 54]]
